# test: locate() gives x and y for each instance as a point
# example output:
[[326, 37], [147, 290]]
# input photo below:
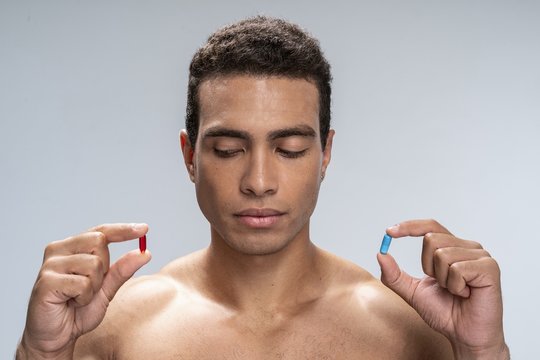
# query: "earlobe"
[[187, 152]]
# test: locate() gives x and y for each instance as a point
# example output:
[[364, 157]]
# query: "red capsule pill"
[[142, 244]]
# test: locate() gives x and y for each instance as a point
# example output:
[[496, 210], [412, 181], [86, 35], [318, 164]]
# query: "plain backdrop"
[[436, 106]]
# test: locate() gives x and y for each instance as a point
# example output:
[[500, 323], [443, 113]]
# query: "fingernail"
[[393, 227], [138, 227]]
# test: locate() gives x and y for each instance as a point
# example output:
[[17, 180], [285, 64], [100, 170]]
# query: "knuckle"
[[455, 268], [50, 249], [44, 277], [86, 284], [96, 264], [99, 239], [97, 228], [49, 263], [102, 239], [494, 265], [429, 239], [439, 255], [123, 274], [477, 245], [473, 244]]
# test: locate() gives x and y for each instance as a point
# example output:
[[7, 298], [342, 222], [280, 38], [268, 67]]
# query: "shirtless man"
[[257, 146]]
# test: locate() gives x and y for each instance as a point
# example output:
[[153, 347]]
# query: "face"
[[258, 163]]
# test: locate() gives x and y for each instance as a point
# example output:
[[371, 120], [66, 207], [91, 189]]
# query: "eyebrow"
[[219, 131], [300, 130]]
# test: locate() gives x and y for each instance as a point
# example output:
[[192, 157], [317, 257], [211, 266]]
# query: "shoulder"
[[375, 312], [148, 295], [139, 301]]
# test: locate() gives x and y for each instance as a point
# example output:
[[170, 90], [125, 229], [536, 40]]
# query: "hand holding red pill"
[[76, 283]]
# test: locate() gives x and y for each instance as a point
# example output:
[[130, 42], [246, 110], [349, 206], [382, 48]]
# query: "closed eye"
[[226, 153], [291, 154]]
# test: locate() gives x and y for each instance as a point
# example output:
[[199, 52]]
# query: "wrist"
[[25, 351], [497, 352]]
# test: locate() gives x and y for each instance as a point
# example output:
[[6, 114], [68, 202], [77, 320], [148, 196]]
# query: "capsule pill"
[[385, 245], [142, 244]]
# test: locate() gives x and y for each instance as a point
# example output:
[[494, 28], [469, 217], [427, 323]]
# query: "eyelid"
[[226, 153], [227, 142], [292, 154], [294, 140]]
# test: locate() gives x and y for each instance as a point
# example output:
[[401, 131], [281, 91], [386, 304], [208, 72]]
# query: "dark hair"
[[260, 46]]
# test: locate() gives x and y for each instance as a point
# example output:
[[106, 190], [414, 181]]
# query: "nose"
[[260, 176]]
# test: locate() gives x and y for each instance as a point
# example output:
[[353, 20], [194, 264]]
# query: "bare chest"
[[203, 336]]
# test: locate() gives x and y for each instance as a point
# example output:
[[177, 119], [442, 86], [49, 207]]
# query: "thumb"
[[122, 270], [397, 280]]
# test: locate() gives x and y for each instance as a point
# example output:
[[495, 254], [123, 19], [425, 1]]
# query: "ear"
[[187, 152], [327, 152]]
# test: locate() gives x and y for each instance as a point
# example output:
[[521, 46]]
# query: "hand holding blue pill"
[[461, 295]]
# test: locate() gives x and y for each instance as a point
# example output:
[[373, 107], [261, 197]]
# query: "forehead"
[[258, 103]]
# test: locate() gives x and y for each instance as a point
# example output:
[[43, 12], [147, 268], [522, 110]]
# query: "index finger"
[[416, 228], [121, 231]]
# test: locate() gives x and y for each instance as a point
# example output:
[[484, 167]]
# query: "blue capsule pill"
[[385, 245]]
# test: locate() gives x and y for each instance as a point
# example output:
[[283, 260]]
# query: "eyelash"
[[285, 153], [292, 154], [226, 153]]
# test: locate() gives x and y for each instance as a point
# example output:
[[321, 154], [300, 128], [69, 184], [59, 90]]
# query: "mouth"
[[259, 218]]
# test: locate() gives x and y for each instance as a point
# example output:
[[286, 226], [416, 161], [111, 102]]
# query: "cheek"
[[303, 184], [214, 187]]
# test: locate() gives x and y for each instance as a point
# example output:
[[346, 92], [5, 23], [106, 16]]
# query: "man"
[[257, 146]]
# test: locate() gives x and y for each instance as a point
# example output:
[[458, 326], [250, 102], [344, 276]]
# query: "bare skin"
[[262, 290]]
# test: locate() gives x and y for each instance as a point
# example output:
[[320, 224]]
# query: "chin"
[[258, 246]]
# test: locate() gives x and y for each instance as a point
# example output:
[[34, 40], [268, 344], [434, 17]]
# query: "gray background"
[[436, 107]]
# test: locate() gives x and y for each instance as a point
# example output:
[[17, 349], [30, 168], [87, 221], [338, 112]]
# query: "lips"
[[259, 212], [259, 218]]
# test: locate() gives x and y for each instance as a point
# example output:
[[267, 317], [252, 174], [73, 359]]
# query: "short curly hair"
[[260, 46]]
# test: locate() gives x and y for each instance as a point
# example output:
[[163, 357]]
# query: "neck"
[[283, 281]]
